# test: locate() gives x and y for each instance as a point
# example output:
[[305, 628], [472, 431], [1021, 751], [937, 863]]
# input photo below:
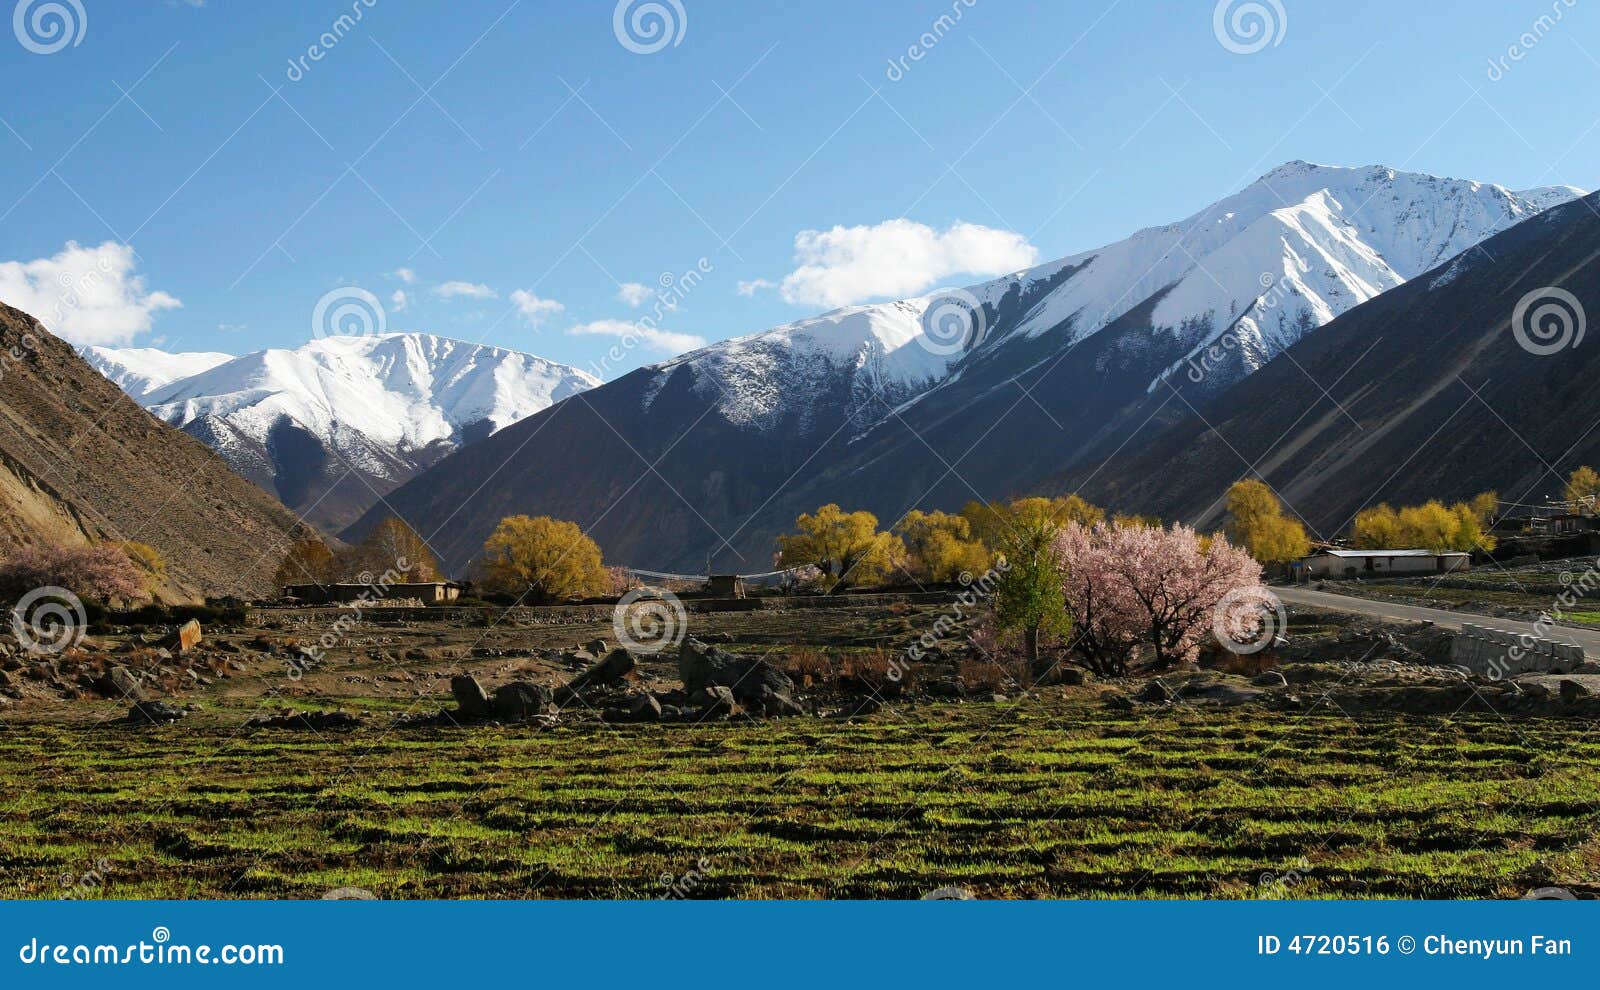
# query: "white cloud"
[[467, 290], [406, 275], [398, 302], [667, 342], [85, 295], [534, 309], [751, 287], [635, 294], [895, 259]]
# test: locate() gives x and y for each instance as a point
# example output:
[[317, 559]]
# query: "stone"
[[645, 708], [155, 713], [701, 665], [1572, 691], [471, 700], [121, 683], [1270, 679], [1156, 693], [717, 701], [1119, 702], [187, 636], [521, 700], [619, 663], [1072, 676], [597, 647], [774, 704]]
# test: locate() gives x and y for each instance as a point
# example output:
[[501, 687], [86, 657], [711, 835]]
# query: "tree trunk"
[[1030, 646]]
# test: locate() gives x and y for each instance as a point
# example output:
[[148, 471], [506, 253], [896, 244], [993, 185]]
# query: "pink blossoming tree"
[[1135, 586], [102, 572]]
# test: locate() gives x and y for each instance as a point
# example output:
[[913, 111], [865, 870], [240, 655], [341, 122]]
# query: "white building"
[[1368, 563]]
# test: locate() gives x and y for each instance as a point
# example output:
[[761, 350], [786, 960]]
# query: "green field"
[[1045, 798]]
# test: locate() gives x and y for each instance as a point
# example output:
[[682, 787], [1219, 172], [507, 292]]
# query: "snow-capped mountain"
[[969, 392], [333, 425], [140, 371]]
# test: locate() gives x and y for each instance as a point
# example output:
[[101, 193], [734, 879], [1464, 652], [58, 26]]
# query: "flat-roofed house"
[[1361, 563]]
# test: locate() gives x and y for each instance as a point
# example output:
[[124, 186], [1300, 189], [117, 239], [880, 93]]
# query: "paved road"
[[1589, 639]]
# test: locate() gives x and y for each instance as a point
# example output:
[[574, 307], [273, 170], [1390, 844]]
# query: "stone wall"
[[1497, 653]]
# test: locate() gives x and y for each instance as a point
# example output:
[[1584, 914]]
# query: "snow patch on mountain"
[[139, 371]]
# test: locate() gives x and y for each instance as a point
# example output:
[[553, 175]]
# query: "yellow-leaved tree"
[[547, 560], [1257, 523], [1582, 487], [940, 546], [847, 547], [1430, 526]]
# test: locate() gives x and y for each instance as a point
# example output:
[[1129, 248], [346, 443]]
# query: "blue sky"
[[525, 148]]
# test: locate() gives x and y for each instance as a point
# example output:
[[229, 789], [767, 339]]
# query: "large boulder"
[[120, 682], [521, 700], [609, 671], [751, 679], [471, 699], [187, 637], [716, 701], [645, 708]]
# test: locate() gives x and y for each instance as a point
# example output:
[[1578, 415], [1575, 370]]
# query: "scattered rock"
[[314, 721], [471, 699], [645, 708], [774, 704], [120, 683], [1270, 679], [155, 713], [1120, 702], [1156, 693], [617, 664], [521, 700], [597, 647], [716, 701], [1072, 676], [1572, 691], [701, 665]]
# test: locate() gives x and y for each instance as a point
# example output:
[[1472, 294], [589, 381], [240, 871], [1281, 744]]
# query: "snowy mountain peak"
[[381, 407]]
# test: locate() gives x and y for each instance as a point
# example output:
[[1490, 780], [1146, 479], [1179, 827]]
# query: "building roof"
[[1389, 553]]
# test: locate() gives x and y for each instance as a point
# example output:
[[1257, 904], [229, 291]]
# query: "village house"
[[1336, 563]]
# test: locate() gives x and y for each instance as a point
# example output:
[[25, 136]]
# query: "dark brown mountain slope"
[[79, 460], [1423, 392]]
